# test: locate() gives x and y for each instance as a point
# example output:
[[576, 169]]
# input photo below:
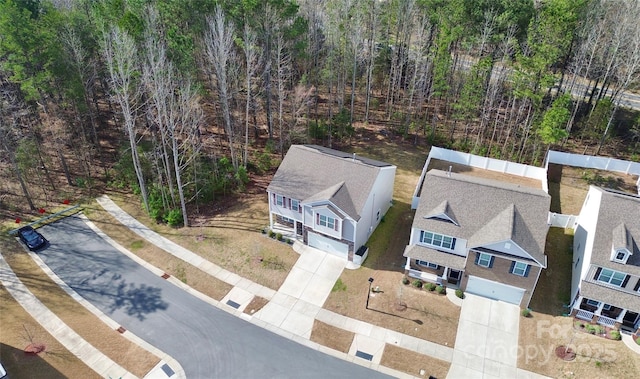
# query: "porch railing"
[[606, 321], [584, 315]]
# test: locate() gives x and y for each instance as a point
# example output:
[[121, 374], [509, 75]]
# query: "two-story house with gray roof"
[[605, 284], [329, 199], [484, 236]]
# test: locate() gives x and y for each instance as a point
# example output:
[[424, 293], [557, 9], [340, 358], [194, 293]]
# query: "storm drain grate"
[[167, 370], [232, 303], [165, 276], [364, 355], [121, 330]]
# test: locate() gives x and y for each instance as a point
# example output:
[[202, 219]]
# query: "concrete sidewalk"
[[292, 310], [94, 358]]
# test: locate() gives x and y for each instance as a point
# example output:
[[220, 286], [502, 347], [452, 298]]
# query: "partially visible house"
[[484, 236], [606, 259], [331, 199]]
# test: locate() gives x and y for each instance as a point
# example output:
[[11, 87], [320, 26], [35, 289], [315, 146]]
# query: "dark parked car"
[[31, 238]]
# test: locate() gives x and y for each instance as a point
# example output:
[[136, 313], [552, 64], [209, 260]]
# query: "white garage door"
[[328, 245], [493, 290]]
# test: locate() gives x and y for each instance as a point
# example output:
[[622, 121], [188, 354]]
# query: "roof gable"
[[486, 211], [313, 173], [442, 212]]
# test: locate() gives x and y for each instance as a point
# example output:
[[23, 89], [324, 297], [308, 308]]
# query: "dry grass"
[[18, 329], [176, 267], [330, 336], [129, 355], [597, 357], [255, 305], [411, 362], [231, 238]]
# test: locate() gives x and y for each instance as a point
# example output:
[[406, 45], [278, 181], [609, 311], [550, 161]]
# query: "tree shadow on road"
[[139, 300]]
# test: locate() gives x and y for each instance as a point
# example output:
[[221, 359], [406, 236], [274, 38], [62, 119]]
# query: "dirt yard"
[[596, 357]]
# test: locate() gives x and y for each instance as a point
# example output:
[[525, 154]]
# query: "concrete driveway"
[[487, 340], [208, 342]]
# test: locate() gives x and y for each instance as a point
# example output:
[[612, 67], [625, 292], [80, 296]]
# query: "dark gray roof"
[[313, 173], [487, 211], [441, 258], [617, 208], [610, 296]]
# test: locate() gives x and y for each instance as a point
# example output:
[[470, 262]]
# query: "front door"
[[454, 277], [630, 319]]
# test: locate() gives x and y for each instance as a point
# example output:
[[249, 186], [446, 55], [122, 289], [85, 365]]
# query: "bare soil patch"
[[412, 363], [595, 357], [255, 305], [129, 355], [330, 336]]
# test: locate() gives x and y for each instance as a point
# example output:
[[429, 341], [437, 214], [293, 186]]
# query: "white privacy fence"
[[562, 221], [589, 161], [485, 163]]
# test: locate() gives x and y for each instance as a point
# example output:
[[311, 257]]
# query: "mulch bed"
[[564, 353]]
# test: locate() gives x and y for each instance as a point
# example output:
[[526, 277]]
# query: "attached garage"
[[327, 244], [494, 290]]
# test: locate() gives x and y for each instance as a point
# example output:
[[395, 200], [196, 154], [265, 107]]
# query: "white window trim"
[[480, 259], [516, 269], [327, 221], [624, 258], [593, 303], [451, 244], [606, 307], [295, 205], [613, 273], [279, 200]]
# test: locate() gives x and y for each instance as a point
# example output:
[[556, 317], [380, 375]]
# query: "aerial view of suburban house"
[[481, 235], [606, 274], [332, 200]]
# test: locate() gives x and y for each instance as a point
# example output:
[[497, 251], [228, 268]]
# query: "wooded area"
[[179, 100]]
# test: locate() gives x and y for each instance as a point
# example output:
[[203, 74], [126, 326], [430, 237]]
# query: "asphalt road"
[[208, 342]]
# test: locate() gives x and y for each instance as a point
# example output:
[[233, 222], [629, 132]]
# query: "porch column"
[[598, 311], [407, 265], [445, 274], [270, 219]]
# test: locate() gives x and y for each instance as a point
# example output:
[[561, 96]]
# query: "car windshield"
[[30, 235]]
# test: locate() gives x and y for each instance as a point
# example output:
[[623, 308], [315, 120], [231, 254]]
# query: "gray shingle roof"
[[611, 296], [486, 210], [616, 209], [313, 173], [435, 256]]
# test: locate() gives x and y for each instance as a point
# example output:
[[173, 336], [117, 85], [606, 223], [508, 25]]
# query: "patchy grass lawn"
[[232, 238], [330, 336], [554, 287], [129, 355], [411, 362], [596, 357]]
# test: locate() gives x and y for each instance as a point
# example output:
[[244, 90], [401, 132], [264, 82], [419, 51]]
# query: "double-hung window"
[[279, 200], [484, 260], [438, 240], [519, 268], [327, 221], [295, 205], [611, 277]]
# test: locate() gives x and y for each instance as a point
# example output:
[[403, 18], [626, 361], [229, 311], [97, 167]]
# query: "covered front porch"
[[434, 266], [604, 314]]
